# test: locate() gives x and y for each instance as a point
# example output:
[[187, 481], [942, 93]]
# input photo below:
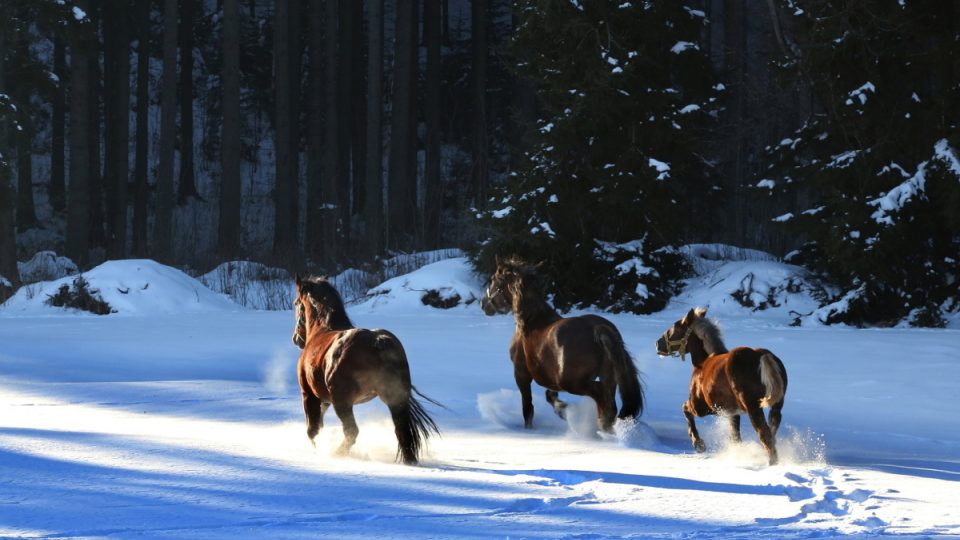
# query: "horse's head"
[[673, 342], [506, 284], [317, 303]]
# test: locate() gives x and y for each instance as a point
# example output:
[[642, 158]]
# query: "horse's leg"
[[313, 410], [763, 431], [698, 444], [559, 406], [774, 418], [524, 380], [605, 398], [735, 428], [344, 412]]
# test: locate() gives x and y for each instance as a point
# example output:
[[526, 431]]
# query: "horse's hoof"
[[700, 447]]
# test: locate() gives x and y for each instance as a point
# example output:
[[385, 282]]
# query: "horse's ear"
[[701, 312], [298, 279], [689, 317]]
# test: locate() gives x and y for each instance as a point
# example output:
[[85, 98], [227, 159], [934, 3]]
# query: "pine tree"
[[624, 93], [877, 165]]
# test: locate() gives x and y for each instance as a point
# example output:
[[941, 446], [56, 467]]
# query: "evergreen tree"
[[602, 193], [877, 165]]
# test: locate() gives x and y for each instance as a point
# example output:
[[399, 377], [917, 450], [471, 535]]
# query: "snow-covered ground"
[[179, 417]]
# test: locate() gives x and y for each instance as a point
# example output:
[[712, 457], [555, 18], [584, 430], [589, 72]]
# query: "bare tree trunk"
[[116, 126], [445, 20], [230, 183], [479, 142], [97, 213], [141, 187], [345, 69], [316, 239], [358, 138], [78, 202], [331, 155], [188, 185], [285, 244], [8, 234], [58, 184], [163, 230], [374, 169], [26, 209], [401, 187], [432, 201]]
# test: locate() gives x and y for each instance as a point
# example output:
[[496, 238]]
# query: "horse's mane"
[[335, 313], [709, 333], [531, 305]]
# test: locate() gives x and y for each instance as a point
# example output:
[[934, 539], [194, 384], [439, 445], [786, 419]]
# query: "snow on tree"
[[624, 94], [876, 165]]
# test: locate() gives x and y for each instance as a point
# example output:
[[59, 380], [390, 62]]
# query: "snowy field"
[[179, 417]]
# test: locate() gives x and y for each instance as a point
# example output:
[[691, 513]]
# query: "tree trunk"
[[346, 66], [8, 234], [26, 210], [401, 188], [445, 20], [116, 126], [373, 200], [230, 198], [163, 230], [141, 187], [97, 213], [58, 196], [479, 143], [78, 202], [331, 155], [432, 201], [358, 152], [188, 185], [285, 243]]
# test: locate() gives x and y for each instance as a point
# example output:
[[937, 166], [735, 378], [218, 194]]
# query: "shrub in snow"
[[442, 299], [46, 266], [252, 284], [80, 296]]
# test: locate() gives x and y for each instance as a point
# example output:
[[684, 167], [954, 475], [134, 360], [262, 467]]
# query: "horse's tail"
[[774, 379], [627, 376], [411, 423]]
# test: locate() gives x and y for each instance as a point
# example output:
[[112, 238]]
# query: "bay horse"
[[728, 383], [345, 366], [582, 355]]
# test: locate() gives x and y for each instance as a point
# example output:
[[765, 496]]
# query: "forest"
[[593, 136]]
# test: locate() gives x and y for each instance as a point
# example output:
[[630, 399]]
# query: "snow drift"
[[131, 287]]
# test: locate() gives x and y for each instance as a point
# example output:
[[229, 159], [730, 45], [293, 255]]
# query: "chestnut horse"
[[344, 366], [582, 355], [728, 383]]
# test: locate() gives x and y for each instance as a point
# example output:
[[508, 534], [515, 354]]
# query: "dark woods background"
[[593, 135]]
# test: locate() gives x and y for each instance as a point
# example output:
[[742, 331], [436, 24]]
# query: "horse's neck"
[[698, 353], [534, 314]]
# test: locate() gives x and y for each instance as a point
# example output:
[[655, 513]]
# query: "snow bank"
[[733, 281], [449, 283], [131, 287]]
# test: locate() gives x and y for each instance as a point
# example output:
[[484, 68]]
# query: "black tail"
[[628, 378], [413, 427], [411, 423]]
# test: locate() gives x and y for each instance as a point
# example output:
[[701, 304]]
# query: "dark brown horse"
[[343, 366], [729, 383], [582, 355]]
